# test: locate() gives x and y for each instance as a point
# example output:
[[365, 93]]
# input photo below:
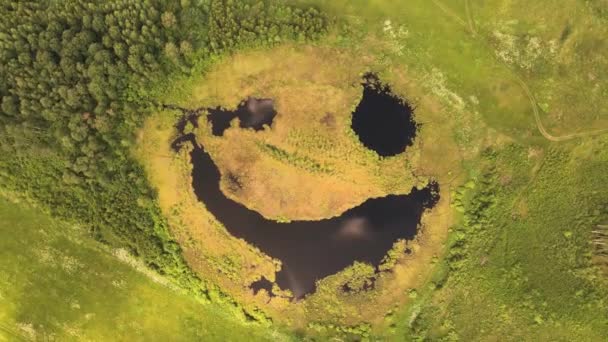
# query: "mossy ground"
[[307, 83]]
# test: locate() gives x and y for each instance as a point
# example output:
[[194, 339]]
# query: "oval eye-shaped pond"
[[382, 120], [252, 113]]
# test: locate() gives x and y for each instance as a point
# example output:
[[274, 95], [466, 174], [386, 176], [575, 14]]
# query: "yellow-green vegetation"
[[307, 84], [310, 163], [56, 283], [558, 48], [511, 97], [208, 248], [520, 257]]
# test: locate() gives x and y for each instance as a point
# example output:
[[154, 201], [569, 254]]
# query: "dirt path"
[[470, 25], [541, 127], [449, 12]]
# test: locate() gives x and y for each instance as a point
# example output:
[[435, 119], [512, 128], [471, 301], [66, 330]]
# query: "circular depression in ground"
[[312, 250]]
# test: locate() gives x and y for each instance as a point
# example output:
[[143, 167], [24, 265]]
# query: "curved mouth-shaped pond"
[[312, 250]]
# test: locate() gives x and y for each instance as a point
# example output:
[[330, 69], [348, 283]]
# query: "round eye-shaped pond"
[[382, 120]]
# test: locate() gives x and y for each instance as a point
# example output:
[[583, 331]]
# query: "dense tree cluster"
[[71, 77], [236, 22]]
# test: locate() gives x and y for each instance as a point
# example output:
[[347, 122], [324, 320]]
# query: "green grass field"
[[487, 49], [56, 283], [519, 260]]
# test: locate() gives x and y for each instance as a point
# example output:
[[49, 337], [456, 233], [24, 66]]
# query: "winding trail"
[[446, 10], [469, 24], [541, 127]]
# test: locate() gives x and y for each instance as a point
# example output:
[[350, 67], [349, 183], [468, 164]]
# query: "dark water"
[[311, 250], [252, 113], [262, 284], [382, 120]]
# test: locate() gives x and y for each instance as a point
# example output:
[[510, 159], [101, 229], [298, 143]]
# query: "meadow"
[[519, 263], [57, 283]]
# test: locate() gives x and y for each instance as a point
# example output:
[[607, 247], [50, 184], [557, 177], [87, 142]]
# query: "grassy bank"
[[57, 283], [520, 263]]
